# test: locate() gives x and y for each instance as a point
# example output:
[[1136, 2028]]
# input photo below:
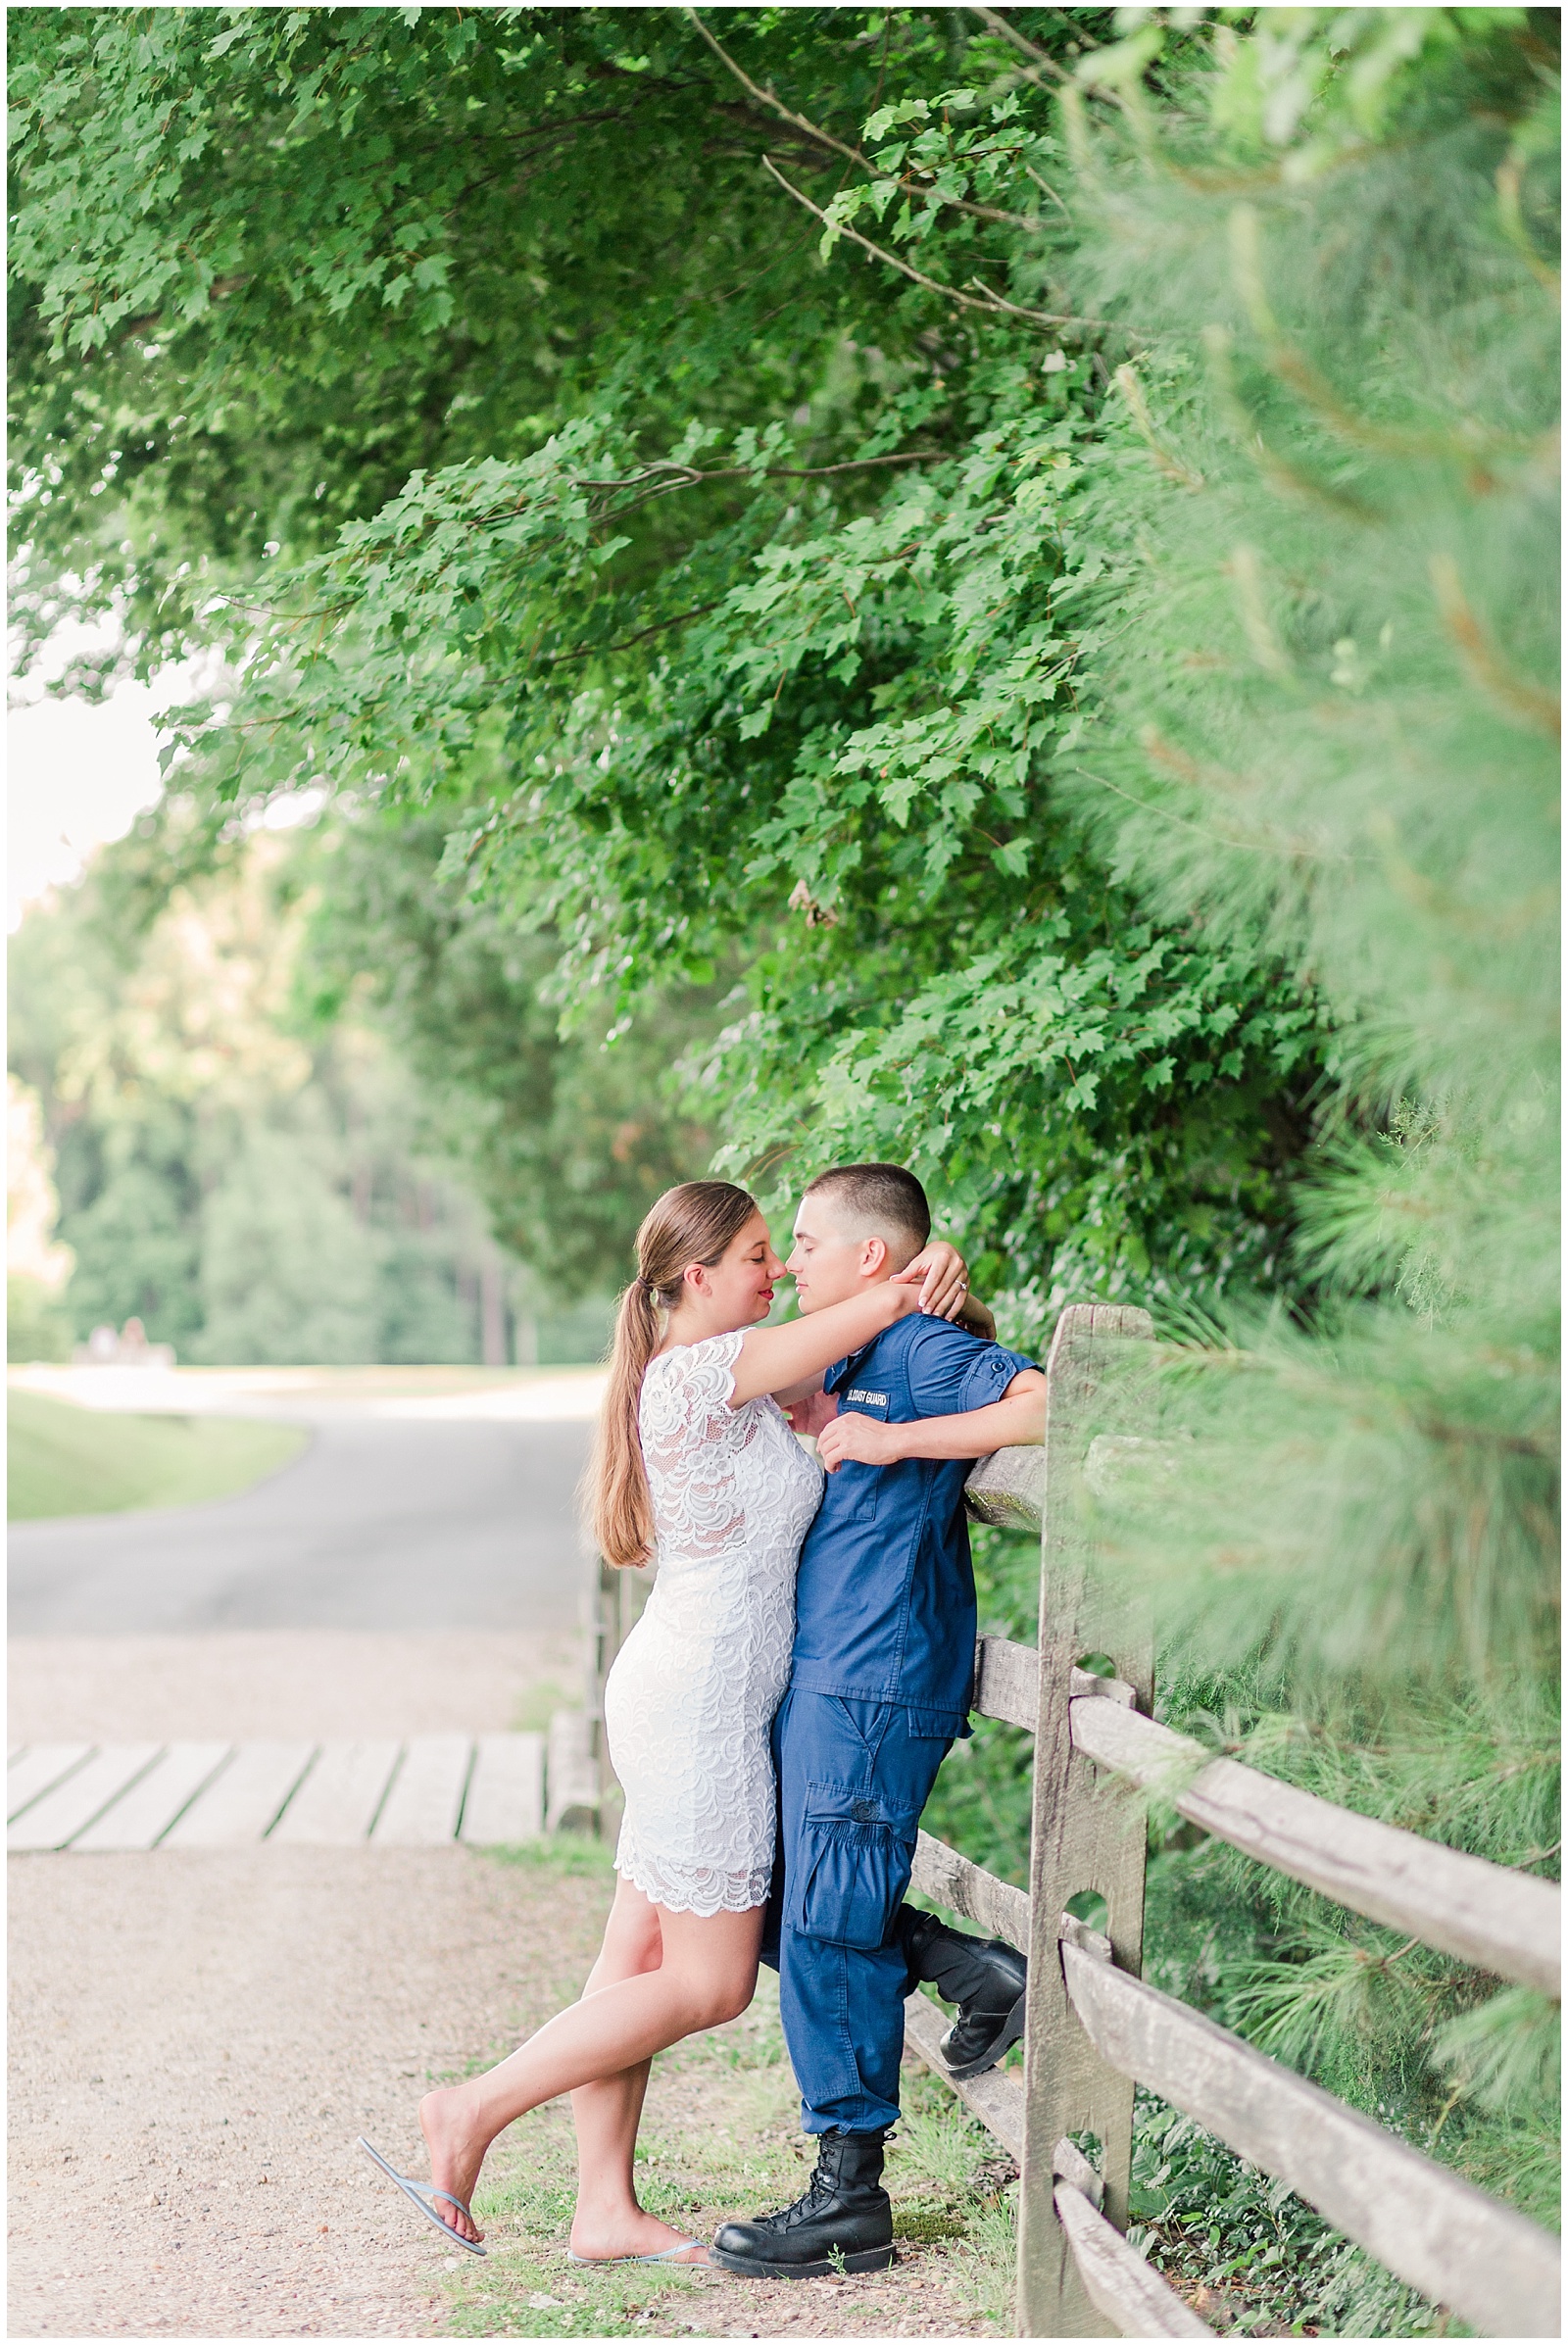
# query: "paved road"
[[396, 1517]]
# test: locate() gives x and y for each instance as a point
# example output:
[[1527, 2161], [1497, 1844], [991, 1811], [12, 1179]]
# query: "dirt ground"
[[720, 2137], [287, 1682], [197, 2037]]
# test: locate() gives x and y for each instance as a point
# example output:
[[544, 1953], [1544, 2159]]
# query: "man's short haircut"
[[884, 1196]]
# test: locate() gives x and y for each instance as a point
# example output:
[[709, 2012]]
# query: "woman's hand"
[[943, 1278], [866, 1439]]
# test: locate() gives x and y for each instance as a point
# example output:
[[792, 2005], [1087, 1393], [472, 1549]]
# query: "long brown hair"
[[696, 1222]]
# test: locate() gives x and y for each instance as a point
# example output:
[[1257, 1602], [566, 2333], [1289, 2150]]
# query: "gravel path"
[[197, 2036], [289, 1683], [196, 2039], [187, 2023]]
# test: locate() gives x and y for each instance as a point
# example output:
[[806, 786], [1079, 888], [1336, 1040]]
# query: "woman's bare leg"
[[608, 2221], [708, 1974]]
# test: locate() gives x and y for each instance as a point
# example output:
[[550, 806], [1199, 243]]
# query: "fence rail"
[[1506, 1923], [1094, 2027], [1421, 2220]]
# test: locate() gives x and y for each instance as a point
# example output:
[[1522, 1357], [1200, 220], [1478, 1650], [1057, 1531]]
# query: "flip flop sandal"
[[665, 2255], [420, 2194]]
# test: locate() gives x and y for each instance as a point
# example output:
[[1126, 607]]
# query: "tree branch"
[[996, 22], [765, 97], [586, 651], [656, 479], [797, 122], [991, 305], [688, 475]]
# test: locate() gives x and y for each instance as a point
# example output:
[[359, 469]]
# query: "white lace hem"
[[700, 1890]]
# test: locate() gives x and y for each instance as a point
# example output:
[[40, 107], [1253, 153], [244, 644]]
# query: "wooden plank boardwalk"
[[86, 1798]]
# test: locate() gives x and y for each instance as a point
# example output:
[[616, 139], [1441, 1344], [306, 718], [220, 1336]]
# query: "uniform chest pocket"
[[858, 1503], [851, 1865]]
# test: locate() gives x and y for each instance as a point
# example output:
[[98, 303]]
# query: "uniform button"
[[866, 1810]]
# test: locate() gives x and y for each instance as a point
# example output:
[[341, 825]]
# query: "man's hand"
[[975, 1317], [866, 1439], [810, 1416], [942, 1279]]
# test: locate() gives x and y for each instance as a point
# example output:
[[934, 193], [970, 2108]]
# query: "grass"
[[566, 1856], [66, 1460], [721, 2136], [538, 1704]]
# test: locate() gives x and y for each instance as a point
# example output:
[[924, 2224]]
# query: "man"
[[879, 1689]]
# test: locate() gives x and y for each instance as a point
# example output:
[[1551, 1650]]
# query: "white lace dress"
[[691, 1697]]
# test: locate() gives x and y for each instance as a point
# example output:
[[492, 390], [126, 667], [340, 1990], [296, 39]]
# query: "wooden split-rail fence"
[[1095, 2027]]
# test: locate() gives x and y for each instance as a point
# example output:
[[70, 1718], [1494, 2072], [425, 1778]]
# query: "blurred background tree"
[[39, 1266], [249, 1186], [308, 1105], [567, 1135]]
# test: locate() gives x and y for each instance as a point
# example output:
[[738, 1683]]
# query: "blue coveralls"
[[879, 1689]]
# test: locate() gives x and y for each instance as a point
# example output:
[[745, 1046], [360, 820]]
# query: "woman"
[[695, 1464]]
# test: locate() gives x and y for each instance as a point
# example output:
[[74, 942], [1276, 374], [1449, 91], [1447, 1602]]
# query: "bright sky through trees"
[[77, 773]]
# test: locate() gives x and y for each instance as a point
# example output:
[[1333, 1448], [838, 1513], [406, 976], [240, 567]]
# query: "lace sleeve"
[[690, 1436]]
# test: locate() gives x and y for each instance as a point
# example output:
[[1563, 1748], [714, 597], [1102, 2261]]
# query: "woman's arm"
[[975, 1317], [1017, 1420], [944, 1282], [772, 1359]]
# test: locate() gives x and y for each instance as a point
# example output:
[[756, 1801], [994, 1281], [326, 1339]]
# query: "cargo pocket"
[[856, 1853]]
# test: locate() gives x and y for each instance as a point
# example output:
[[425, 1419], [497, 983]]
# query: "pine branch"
[[1490, 671]]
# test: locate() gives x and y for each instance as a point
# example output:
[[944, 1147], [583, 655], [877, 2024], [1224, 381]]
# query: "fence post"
[[1088, 1834]]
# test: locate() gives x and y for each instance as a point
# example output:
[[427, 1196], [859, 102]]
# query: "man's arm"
[[1017, 1419], [809, 1408], [792, 1395]]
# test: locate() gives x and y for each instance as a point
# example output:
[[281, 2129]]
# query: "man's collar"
[[842, 1370]]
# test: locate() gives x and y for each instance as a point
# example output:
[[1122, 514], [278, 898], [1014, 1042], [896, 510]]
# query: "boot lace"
[[820, 2186]]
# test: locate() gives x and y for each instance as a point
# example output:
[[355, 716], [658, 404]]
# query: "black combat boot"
[[984, 1977], [843, 2224]]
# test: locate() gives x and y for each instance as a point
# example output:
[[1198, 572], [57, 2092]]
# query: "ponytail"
[[622, 1508], [694, 1222]]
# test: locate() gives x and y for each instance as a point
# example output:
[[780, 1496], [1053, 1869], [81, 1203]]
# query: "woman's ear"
[[695, 1278]]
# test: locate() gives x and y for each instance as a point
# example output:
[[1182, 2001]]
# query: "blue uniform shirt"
[[884, 1602]]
